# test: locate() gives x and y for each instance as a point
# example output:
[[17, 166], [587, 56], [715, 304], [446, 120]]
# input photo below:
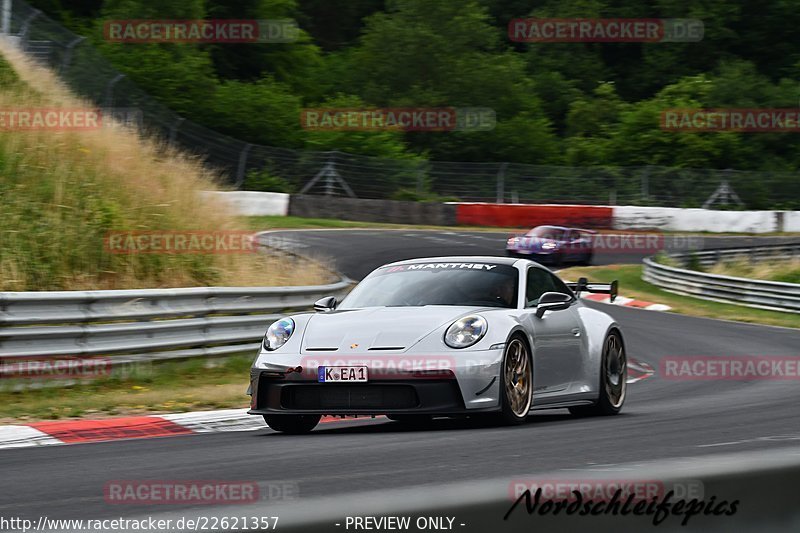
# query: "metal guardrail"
[[773, 295], [148, 324]]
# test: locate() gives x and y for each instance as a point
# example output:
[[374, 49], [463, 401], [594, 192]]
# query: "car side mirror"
[[324, 305], [552, 301]]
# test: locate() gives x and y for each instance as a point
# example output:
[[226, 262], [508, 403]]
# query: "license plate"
[[334, 374]]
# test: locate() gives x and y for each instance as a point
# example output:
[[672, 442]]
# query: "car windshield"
[[463, 284], [546, 232]]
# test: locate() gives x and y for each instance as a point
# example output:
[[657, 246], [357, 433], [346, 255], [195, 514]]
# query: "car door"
[[575, 246], [557, 336]]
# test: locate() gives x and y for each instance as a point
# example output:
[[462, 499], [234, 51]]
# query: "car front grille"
[[330, 396]]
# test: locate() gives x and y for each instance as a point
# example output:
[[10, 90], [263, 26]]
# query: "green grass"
[[632, 285], [771, 270], [192, 385]]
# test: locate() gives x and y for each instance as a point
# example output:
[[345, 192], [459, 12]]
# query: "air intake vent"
[[387, 348]]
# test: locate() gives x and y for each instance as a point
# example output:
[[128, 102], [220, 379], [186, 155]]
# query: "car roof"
[[563, 228], [483, 259], [459, 259]]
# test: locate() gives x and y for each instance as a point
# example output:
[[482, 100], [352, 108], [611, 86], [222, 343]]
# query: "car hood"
[[377, 328]]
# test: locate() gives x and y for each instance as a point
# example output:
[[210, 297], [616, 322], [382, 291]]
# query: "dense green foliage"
[[576, 104]]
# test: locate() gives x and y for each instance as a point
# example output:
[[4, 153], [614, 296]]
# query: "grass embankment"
[[632, 286], [62, 191], [784, 271], [193, 385]]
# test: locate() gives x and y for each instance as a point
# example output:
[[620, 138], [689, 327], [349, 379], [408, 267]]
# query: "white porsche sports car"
[[445, 336]]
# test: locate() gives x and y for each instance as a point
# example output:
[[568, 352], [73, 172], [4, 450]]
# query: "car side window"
[[539, 282], [560, 286]]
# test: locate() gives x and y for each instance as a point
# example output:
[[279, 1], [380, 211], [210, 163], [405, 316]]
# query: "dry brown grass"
[[63, 191], [774, 270]]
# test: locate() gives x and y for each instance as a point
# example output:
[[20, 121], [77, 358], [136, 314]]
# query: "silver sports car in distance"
[[445, 336]]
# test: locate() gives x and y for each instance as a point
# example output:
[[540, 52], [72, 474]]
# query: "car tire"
[[516, 382], [588, 259], [613, 380], [292, 424]]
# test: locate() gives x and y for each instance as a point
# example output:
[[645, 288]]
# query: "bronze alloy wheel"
[[616, 371], [517, 382], [613, 380]]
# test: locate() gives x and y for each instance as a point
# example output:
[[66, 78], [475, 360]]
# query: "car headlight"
[[465, 331], [549, 246], [278, 333]]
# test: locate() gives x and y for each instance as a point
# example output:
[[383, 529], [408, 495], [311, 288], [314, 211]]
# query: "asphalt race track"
[[357, 252], [661, 419]]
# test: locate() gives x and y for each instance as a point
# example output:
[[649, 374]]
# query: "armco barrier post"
[[6, 26], [501, 183]]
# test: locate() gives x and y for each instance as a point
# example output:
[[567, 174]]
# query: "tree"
[[180, 75]]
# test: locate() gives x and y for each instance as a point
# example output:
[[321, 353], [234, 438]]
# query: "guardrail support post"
[[332, 178], [23, 34], [109, 98], [240, 171], [68, 54], [173, 130], [6, 17], [501, 183]]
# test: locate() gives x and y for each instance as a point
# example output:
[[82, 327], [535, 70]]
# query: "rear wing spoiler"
[[596, 288]]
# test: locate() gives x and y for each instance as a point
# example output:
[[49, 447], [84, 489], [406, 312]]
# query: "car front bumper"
[[538, 256], [470, 384]]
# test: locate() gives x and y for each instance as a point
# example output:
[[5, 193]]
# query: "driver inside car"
[[503, 292]]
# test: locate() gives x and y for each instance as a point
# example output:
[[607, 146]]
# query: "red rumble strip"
[[139, 427], [627, 302]]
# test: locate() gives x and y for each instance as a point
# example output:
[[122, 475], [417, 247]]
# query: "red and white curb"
[[638, 371], [627, 302], [57, 432]]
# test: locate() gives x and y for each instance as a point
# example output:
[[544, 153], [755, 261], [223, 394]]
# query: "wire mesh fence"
[[90, 75]]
